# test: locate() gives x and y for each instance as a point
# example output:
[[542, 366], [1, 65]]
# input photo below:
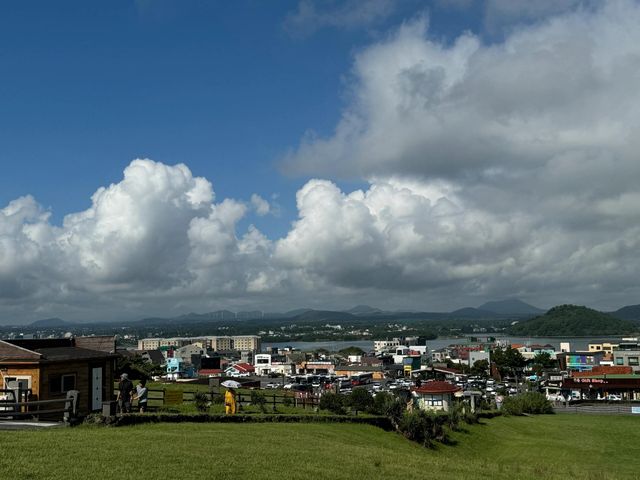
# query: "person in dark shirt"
[[125, 389]]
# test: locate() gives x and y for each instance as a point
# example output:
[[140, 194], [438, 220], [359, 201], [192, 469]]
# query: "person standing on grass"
[[230, 402], [141, 395], [125, 389]]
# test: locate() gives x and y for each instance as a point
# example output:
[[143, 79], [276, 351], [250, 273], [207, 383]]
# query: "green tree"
[[543, 361], [351, 351], [480, 368], [333, 402], [509, 361], [137, 368], [360, 400]]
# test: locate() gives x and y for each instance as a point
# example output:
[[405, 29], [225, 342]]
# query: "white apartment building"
[[156, 343], [250, 343], [381, 346]]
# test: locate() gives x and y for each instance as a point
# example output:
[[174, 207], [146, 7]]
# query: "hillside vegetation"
[[574, 321], [505, 447]]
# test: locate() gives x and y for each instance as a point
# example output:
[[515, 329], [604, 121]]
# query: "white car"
[[612, 397]]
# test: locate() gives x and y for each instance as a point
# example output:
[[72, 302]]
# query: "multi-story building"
[[156, 343], [249, 343], [386, 345], [220, 344], [606, 347], [627, 358]]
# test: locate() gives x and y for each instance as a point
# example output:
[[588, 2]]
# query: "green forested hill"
[[572, 320]]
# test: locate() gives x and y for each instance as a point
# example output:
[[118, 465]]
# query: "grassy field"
[[557, 446]]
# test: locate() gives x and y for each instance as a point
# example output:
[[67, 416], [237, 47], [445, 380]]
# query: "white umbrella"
[[231, 384]]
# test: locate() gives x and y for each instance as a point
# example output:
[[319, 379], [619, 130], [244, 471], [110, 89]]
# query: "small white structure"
[[435, 395], [475, 356], [262, 364]]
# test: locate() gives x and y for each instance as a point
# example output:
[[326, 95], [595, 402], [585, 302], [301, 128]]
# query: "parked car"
[[612, 397]]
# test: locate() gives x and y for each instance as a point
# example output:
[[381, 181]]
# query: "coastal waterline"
[[576, 343]]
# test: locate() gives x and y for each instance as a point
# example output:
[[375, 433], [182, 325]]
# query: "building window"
[[62, 383], [619, 361], [633, 361], [433, 400]]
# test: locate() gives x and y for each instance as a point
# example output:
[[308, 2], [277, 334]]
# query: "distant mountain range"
[[630, 312], [510, 307], [500, 310], [50, 323]]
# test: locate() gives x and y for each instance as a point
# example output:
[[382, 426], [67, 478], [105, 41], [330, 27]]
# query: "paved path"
[[602, 409], [27, 425]]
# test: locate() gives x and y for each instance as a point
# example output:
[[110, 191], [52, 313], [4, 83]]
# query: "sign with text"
[[173, 397]]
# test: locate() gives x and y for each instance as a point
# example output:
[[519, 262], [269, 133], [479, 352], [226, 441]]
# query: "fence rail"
[[10, 408], [161, 398]]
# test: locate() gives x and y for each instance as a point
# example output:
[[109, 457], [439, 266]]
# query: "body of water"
[[577, 343]]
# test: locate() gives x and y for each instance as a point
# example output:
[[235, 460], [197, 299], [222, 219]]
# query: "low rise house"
[[240, 370], [48, 368], [435, 395], [349, 371]]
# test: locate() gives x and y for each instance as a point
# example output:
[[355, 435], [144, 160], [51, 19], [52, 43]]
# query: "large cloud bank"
[[535, 137], [501, 170]]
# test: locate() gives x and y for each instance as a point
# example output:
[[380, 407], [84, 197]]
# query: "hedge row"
[[135, 419]]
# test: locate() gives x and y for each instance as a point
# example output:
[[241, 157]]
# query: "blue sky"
[[225, 87], [431, 119]]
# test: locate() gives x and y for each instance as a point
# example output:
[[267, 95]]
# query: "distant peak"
[[510, 306]]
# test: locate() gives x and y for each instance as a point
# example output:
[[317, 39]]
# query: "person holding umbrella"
[[230, 404]]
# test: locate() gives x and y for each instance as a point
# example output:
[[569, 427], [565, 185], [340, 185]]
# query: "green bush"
[[423, 427], [201, 402], [530, 402], [360, 400], [332, 402], [382, 403], [258, 399]]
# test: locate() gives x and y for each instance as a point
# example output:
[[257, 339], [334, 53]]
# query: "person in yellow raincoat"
[[230, 402]]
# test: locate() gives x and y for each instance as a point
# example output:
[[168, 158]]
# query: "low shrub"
[[382, 403], [332, 402], [527, 403], [424, 427], [258, 399], [201, 402]]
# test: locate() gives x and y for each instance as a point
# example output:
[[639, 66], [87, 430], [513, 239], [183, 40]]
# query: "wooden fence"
[[165, 398], [59, 408]]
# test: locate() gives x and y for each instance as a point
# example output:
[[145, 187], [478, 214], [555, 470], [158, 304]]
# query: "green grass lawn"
[[554, 446]]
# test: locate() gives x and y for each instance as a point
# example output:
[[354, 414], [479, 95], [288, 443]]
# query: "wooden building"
[[48, 368]]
